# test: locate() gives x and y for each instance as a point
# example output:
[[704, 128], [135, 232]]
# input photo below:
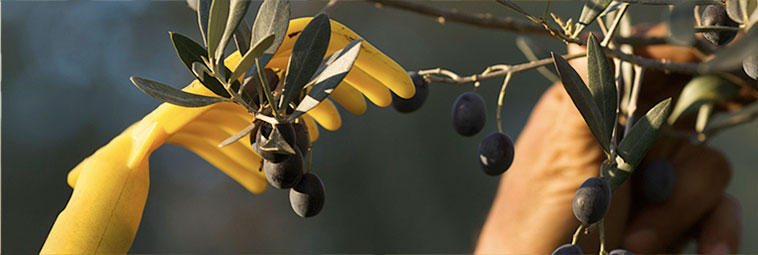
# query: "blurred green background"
[[395, 183]]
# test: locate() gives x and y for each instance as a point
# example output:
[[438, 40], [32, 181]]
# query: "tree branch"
[[487, 20]]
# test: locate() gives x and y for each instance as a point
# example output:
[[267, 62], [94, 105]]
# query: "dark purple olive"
[[414, 103], [496, 153], [750, 65], [308, 196], [568, 249], [469, 114], [286, 173], [287, 131], [592, 200], [715, 15], [302, 137]]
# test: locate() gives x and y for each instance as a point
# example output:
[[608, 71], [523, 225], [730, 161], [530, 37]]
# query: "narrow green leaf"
[[752, 20], [237, 10], [730, 58], [216, 24], [307, 53], [590, 11], [273, 17], [681, 23], [249, 58], [701, 90], [634, 146], [239, 134], [171, 95], [190, 52], [333, 69], [583, 100], [203, 13], [534, 52], [602, 84]]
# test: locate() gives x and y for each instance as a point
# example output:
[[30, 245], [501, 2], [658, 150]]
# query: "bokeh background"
[[395, 183]]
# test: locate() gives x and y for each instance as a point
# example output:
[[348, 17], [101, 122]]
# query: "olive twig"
[[500, 101], [503, 70], [578, 232]]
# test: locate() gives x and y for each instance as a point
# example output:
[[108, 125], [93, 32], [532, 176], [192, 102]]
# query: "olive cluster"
[[469, 114], [716, 15], [288, 171]]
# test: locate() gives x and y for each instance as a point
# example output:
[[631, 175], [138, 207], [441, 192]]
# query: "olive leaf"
[[534, 52], [602, 84], [203, 13], [249, 58], [239, 134], [681, 23], [273, 17], [739, 10], [331, 72], [701, 90], [191, 52], [307, 54], [216, 24], [731, 57], [643, 134], [237, 10], [171, 95], [590, 11], [584, 101]]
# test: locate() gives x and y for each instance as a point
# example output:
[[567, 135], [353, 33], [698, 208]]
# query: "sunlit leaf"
[[249, 58], [590, 11], [583, 100], [273, 18], [643, 134], [681, 23], [190, 52], [237, 10], [240, 134], [306, 56], [331, 72], [700, 90], [171, 95], [602, 83], [216, 24]]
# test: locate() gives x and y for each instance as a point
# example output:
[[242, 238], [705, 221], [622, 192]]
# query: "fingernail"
[[641, 240], [720, 248]]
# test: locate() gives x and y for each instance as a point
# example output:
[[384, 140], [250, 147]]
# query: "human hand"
[[556, 152]]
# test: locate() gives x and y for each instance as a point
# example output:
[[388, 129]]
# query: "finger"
[[701, 175], [721, 228]]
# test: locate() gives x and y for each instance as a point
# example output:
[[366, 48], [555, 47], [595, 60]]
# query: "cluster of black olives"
[[287, 171], [469, 114], [715, 15]]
